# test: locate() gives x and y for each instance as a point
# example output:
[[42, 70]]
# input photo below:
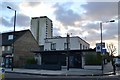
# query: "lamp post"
[[13, 34], [101, 23]]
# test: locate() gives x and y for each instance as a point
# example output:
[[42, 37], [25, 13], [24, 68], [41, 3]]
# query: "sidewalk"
[[71, 72]]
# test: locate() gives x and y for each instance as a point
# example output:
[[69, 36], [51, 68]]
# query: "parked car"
[[117, 62]]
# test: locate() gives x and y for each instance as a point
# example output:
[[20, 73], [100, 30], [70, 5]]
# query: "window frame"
[[10, 37], [53, 46]]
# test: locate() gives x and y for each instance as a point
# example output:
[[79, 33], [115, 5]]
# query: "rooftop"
[[5, 35]]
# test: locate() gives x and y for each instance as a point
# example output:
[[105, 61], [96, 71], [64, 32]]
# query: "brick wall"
[[23, 47]]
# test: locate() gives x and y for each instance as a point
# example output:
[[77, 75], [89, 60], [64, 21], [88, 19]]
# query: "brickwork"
[[23, 47]]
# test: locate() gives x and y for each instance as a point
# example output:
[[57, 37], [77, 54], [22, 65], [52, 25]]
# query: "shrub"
[[93, 59], [31, 61]]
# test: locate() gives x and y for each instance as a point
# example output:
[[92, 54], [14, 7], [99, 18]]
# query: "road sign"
[[3, 70], [98, 47], [104, 51]]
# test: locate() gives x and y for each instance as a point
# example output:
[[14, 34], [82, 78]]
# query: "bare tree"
[[111, 49]]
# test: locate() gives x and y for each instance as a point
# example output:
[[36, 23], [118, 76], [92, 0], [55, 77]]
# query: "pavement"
[[71, 72]]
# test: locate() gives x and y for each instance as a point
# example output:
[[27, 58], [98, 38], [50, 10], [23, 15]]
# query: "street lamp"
[[101, 23], [13, 33]]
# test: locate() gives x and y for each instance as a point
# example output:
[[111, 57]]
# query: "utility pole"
[[67, 55]]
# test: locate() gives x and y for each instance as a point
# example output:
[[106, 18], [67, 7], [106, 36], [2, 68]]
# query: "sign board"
[[98, 47], [2, 70], [104, 51]]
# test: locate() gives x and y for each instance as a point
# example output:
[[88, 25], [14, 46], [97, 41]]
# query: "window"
[[65, 46], [10, 37], [53, 46], [3, 48], [83, 46], [8, 48], [80, 46]]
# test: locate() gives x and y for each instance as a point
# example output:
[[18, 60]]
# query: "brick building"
[[24, 43]]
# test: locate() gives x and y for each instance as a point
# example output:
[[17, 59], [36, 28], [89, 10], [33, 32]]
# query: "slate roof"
[[18, 34]]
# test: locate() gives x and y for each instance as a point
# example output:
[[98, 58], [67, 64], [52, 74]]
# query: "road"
[[14, 76]]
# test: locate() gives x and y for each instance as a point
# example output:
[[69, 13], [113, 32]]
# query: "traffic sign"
[[104, 51], [3, 70], [98, 47]]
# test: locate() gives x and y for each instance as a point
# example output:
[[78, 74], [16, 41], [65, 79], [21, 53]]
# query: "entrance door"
[[71, 61], [8, 62], [78, 61]]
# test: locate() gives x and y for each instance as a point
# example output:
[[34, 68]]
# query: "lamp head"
[[9, 7], [112, 21]]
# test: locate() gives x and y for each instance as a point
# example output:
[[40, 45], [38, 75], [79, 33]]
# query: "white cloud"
[[43, 9], [70, 16]]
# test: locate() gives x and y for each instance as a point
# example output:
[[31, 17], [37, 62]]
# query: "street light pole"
[[13, 50], [101, 47], [102, 62]]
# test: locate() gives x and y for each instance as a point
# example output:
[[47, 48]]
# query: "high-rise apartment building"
[[41, 28]]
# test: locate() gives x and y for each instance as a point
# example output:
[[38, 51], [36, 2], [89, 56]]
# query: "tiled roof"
[[18, 34]]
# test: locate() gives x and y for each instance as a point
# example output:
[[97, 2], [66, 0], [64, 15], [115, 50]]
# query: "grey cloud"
[[66, 15], [56, 31], [13, 5], [4, 22], [93, 36], [111, 31], [75, 32], [32, 4], [22, 20], [90, 26], [101, 10]]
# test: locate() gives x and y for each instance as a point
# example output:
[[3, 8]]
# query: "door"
[[8, 62]]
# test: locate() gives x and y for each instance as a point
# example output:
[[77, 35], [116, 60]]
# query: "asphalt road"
[[14, 76]]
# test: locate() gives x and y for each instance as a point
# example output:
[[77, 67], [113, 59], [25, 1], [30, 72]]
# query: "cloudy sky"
[[78, 18]]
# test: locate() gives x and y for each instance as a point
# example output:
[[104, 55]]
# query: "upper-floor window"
[[83, 47], [10, 37], [8, 48], [80, 46], [53, 46], [65, 46], [3, 48]]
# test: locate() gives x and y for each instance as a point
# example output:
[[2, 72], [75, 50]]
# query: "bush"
[[31, 61], [93, 59]]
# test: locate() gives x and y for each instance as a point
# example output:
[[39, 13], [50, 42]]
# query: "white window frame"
[[10, 37], [3, 48], [80, 46], [65, 46], [8, 48], [53, 46]]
